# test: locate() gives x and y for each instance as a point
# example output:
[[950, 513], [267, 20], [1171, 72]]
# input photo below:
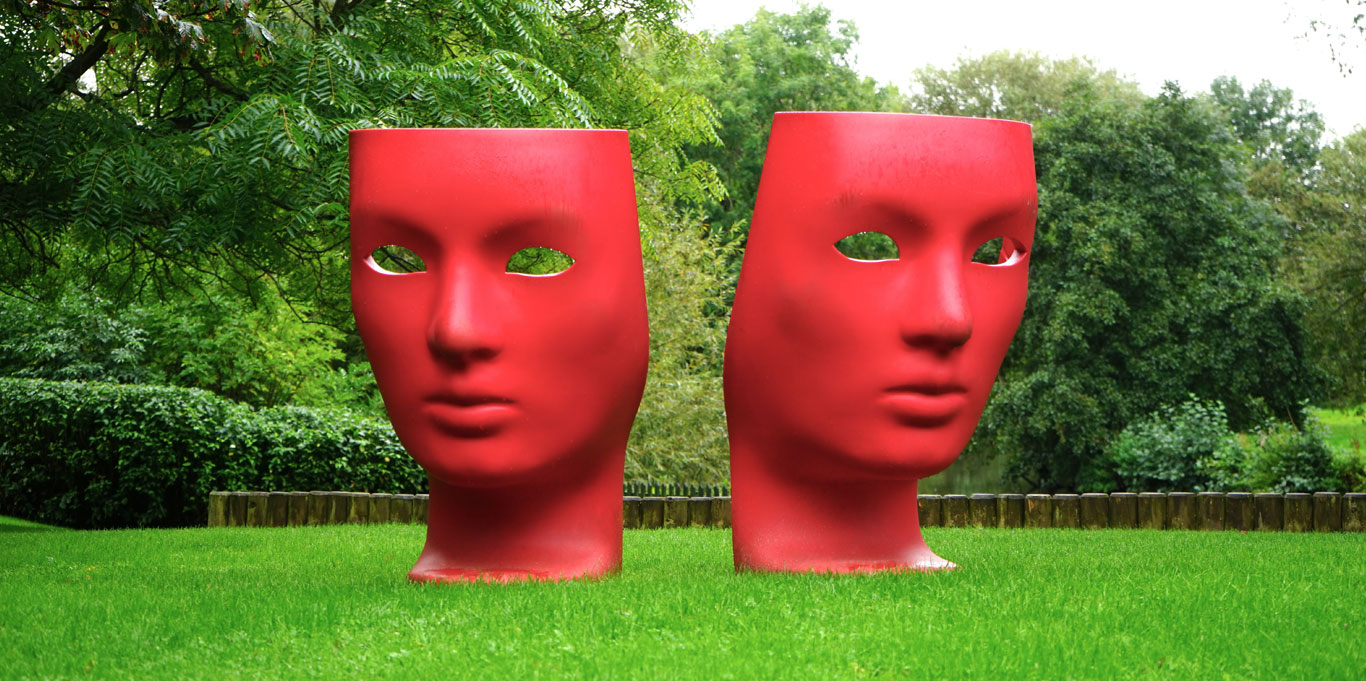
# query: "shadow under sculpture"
[[514, 391], [847, 379]]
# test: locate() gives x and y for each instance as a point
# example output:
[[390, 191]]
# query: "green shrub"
[[1162, 451], [1284, 458], [95, 455], [1189, 447], [76, 337], [1225, 469], [1350, 465]]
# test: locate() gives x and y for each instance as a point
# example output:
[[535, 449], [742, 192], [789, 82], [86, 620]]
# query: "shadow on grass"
[[15, 525], [12, 529]]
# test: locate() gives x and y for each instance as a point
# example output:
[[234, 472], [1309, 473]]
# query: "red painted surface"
[[848, 381], [516, 393]]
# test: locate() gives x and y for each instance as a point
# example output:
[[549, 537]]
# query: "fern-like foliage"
[[212, 139]]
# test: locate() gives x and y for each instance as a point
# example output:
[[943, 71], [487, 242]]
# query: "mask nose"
[[467, 324], [936, 314]]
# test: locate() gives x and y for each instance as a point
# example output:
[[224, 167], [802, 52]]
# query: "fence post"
[[1238, 511], [1152, 510], [336, 507], [982, 510], [1066, 511], [699, 511], [256, 509], [955, 511], [630, 513], [401, 509], [237, 509], [1010, 510], [652, 513], [380, 505], [1270, 511], [1354, 512], [1038, 510], [317, 508], [675, 511], [1327, 512], [421, 504], [357, 508], [298, 508], [1124, 510], [1095, 511], [277, 509], [1181, 511], [927, 508], [720, 512], [1299, 512], [1210, 506], [218, 509]]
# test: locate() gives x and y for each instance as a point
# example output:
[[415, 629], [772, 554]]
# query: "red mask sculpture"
[[515, 392], [847, 381]]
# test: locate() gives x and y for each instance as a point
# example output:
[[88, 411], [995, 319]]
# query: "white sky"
[[1188, 41]]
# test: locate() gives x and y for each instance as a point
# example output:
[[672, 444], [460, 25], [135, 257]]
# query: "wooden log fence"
[[1206, 511]]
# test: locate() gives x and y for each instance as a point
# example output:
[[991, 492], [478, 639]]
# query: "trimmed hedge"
[[100, 455]]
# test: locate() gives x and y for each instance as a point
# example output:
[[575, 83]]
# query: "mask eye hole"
[[867, 247], [1001, 250], [396, 260], [539, 261]]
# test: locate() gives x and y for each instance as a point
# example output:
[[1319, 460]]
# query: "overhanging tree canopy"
[[211, 144]]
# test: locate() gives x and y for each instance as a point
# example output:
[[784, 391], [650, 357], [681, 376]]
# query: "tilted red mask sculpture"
[[846, 380], [515, 392]]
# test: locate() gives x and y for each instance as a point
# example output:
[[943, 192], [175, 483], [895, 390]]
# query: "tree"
[[1319, 195], [680, 431], [1323, 257], [774, 62], [1272, 123], [1151, 279], [1021, 86]]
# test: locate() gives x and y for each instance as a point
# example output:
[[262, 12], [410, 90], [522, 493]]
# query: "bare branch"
[[74, 69], [212, 81]]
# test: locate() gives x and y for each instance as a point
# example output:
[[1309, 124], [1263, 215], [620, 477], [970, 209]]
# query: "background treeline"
[[173, 213]]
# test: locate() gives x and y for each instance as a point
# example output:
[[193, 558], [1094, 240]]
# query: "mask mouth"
[[927, 388], [466, 399], [924, 405], [469, 415]]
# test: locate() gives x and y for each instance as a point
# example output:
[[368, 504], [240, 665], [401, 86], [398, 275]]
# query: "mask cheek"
[[586, 359]]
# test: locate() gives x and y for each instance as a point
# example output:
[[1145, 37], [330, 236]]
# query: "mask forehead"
[[830, 174], [460, 186]]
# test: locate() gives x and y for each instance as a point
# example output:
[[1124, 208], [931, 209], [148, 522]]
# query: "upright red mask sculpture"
[[515, 392], [847, 381]]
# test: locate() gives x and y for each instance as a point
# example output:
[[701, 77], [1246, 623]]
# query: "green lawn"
[[1346, 427], [332, 602]]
